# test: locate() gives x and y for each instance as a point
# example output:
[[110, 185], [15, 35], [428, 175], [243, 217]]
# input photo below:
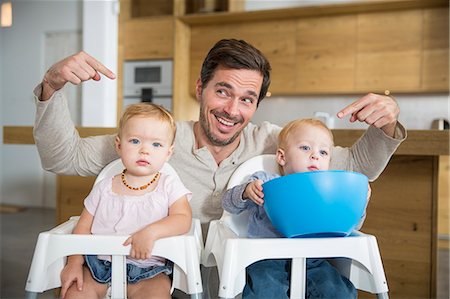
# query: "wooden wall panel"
[[72, 190], [326, 49], [148, 38], [276, 40], [401, 50], [435, 57], [185, 106], [389, 51], [145, 8], [444, 202], [400, 215]]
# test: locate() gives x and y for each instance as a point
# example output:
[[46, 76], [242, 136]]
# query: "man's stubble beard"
[[204, 125]]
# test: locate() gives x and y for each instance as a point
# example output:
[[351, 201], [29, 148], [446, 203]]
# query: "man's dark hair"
[[236, 54]]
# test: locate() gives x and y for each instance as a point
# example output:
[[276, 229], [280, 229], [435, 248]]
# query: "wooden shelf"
[[308, 11]]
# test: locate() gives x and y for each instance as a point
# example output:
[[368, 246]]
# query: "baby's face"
[[308, 148]]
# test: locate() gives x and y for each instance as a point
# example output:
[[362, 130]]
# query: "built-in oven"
[[148, 81]]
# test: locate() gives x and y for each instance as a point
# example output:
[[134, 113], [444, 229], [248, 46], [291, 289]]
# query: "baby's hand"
[[72, 273], [254, 191], [141, 244]]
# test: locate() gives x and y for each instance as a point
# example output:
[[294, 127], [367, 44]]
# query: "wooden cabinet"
[[400, 45], [444, 203], [405, 51], [72, 190], [325, 55]]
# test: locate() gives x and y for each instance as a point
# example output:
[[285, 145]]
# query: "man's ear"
[[280, 157], [198, 89]]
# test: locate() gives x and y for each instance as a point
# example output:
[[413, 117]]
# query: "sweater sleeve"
[[369, 154], [60, 147]]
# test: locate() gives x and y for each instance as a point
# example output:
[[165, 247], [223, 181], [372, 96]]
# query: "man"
[[234, 78]]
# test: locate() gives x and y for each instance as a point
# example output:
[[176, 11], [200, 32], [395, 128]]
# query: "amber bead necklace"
[[143, 187]]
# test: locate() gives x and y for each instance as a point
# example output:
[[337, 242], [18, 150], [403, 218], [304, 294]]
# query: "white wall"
[[100, 39], [22, 67], [416, 111]]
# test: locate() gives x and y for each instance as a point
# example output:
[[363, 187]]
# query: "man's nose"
[[232, 107]]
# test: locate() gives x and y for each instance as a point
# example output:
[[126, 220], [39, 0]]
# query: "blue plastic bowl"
[[316, 204]]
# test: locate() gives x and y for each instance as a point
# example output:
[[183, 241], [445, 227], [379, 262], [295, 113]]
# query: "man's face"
[[227, 103]]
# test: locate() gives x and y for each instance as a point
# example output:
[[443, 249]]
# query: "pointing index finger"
[[96, 65], [354, 107]]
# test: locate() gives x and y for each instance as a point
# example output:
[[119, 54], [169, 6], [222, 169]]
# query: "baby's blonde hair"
[[283, 137], [148, 110], [291, 126]]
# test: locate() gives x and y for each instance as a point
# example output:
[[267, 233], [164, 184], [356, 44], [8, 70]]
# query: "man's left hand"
[[380, 111]]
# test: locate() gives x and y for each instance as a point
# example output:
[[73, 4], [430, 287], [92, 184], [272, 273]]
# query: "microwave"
[[148, 81], [141, 78]]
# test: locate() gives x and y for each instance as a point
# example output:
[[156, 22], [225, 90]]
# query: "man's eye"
[[248, 100], [222, 92], [157, 144], [134, 141]]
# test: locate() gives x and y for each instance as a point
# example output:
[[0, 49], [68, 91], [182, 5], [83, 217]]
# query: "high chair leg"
[[31, 295], [383, 296]]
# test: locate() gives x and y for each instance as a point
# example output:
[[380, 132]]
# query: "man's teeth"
[[226, 123]]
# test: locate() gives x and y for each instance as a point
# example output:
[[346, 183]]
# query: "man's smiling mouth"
[[225, 122]]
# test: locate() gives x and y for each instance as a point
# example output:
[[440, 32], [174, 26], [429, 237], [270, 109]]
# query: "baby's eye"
[[304, 147], [134, 141], [323, 153], [157, 144]]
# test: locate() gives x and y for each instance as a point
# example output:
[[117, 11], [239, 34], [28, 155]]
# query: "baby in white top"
[[140, 201]]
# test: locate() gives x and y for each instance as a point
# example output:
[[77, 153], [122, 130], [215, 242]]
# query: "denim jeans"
[[101, 270], [271, 279]]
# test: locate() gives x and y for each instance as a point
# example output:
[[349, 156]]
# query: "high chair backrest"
[[55, 245], [116, 167], [238, 223]]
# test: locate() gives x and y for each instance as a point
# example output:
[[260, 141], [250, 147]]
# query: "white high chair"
[[356, 256], [55, 245]]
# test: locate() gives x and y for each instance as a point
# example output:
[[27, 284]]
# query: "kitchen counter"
[[419, 142]]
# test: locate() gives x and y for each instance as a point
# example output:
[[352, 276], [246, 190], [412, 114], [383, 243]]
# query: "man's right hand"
[[75, 69]]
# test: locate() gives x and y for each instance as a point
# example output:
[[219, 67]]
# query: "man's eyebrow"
[[224, 84]]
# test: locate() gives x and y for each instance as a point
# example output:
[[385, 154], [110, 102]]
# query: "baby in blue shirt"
[[303, 145]]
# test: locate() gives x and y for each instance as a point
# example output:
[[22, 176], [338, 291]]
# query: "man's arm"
[[60, 148], [371, 153]]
